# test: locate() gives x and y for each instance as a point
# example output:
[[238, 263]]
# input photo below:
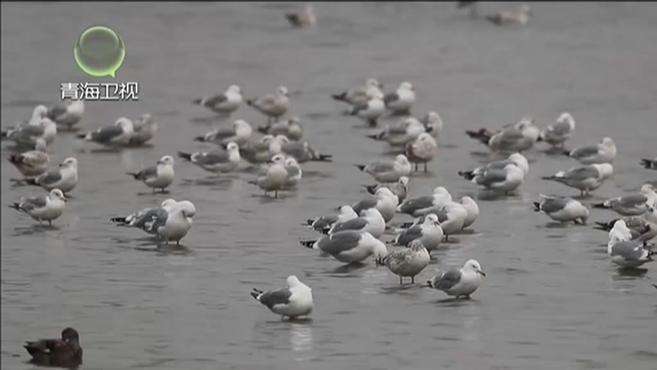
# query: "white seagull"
[[294, 301], [64, 178], [369, 110], [67, 115], [400, 133], [304, 18], [603, 152], [518, 16], [557, 133], [400, 188], [632, 204], [44, 207], [387, 171], [459, 282], [401, 100], [383, 200], [562, 209], [370, 221], [424, 205], [585, 178], [239, 132], [272, 105], [224, 103], [159, 176], [349, 246], [169, 222], [216, 160], [117, 134], [624, 251], [324, 223], [361, 94], [300, 150], [511, 138], [428, 232], [294, 173], [274, 177], [144, 129]]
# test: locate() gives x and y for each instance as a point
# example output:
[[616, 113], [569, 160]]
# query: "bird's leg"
[[275, 194], [413, 279], [49, 222], [415, 170], [401, 282], [425, 167]]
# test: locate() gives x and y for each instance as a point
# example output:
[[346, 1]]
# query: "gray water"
[[551, 300]]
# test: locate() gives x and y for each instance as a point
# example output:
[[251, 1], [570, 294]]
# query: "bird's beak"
[[481, 272], [160, 162], [337, 208]]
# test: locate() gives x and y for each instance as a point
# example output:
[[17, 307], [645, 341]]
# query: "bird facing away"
[[407, 261]]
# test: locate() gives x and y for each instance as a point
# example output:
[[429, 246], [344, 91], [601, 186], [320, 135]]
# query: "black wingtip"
[[118, 220], [81, 136], [184, 155], [310, 222], [548, 178], [255, 293], [599, 205], [200, 139], [537, 206], [307, 243], [565, 152], [360, 166], [468, 175], [197, 101], [15, 206], [339, 97], [647, 163], [133, 174], [324, 158], [371, 188]]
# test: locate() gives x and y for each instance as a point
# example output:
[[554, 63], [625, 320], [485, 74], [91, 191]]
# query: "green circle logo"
[[99, 51]]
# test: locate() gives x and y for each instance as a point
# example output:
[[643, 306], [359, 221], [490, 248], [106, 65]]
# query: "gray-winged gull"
[[400, 188], [33, 162], [67, 115], [361, 94], [562, 209], [288, 127], [144, 129], [324, 223], [240, 132], [428, 232], [274, 177], [459, 282], [159, 176], [370, 221], [383, 200], [224, 103], [293, 301], [272, 105], [119, 133], [169, 222], [557, 133], [624, 251], [632, 204], [43, 207], [511, 138], [585, 178], [302, 19], [349, 246], [387, 171], [603, 152], [216, 160], [64, 177], [370, 110], [422, 150], [401, 100]]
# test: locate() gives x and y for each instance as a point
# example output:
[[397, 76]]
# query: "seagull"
[[67, 115], [649, 163], [562, 209], [324, 223], [300, 150], [388, 171], [472, 210], [31, 163], [471, 5], [169, 222], [557, 133], [603, 152], [294, 301], [302, 19], [624, 251], [119, 133], [239, 132], [428, 232], [452, 217], [433, 124], [637, 225], [633, 204], [383, 200], [506, 179], [515, 158], [216, 160], [274, 177], [370, 221], [64, 352], [422, 150], [272, 105], [43, 207], [424, 205], [585, 178], [407, 261], [144, 129], [400, 188], [290, 128], [65, 177], [225, 103], [400, 101], [38, 127], [349, 246], [519, 16], [294, 173], [256, 151], [159, 176], [512, 138], [459, 282], [369, 110], [400, 133], [361, 94]]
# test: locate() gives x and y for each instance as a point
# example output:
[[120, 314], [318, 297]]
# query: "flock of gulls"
[[352, 233]]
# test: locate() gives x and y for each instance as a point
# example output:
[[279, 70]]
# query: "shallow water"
[[551, 299]]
